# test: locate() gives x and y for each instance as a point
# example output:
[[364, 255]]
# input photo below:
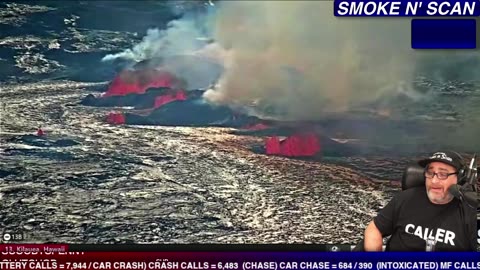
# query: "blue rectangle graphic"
[[444, 34], [409, 8]]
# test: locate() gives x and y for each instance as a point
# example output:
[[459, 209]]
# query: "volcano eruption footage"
[[257, 122]]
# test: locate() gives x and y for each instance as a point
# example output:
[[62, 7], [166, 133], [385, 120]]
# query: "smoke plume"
[[296, 57], [172, 49], [180, 37]]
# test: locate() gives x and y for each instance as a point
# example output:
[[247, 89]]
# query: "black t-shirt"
[[410, 218]]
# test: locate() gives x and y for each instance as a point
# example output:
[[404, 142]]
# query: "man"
[[428, 212]]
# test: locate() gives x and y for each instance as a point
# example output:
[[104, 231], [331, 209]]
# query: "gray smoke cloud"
[[180, 37], [298, 57], [294, 58], [449, 65], [173, 48]]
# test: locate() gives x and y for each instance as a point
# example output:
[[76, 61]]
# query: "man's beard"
[[437, 198]]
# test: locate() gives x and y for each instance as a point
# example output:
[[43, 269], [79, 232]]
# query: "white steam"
[[297, 57], [293, 56], [180, 37], [173, 50]]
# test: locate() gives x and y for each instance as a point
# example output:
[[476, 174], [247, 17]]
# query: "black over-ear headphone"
[[462, 172]]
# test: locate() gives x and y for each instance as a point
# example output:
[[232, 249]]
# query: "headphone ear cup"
[[461, 176]]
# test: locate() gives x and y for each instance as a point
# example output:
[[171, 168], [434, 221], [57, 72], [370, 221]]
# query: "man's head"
[[441, 171]]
